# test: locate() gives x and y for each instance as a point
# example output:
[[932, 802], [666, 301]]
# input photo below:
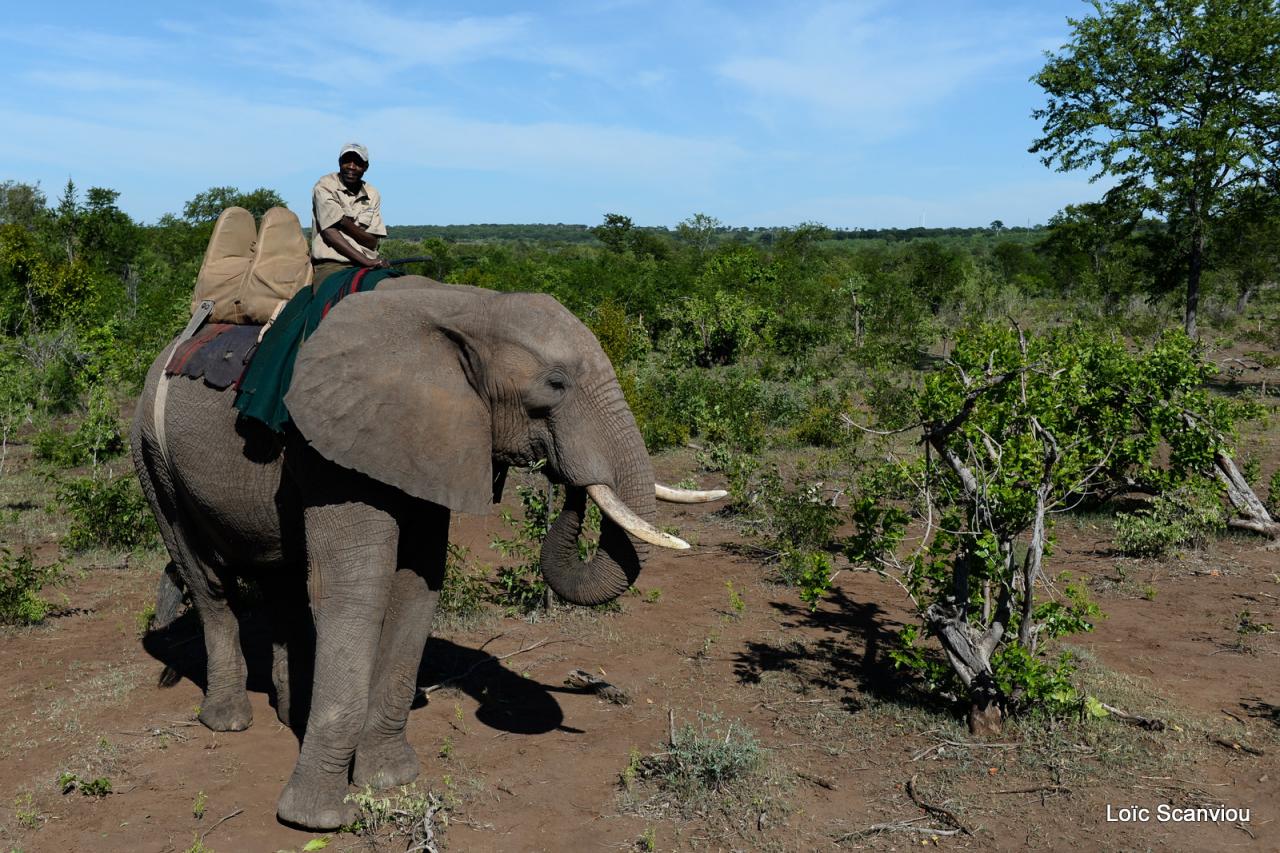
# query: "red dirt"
[[534, 765]]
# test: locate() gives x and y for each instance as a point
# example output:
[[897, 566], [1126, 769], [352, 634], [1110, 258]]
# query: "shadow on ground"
[[509, 702], [851, 655]]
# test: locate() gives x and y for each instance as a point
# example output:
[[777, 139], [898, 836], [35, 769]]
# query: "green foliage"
[[466, 587], [20, 583], [97, 438], [107, 511], [720, 329], [407, 816], [97, 788], [520, 586], [1186, 516]]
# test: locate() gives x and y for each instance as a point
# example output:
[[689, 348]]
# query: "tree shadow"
[[851, 655]]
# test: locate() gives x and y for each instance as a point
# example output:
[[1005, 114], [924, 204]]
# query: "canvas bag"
[[249, 277]]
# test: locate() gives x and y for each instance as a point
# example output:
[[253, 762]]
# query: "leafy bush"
[[107, 511], [94, 440], [1186, 516], [20, 583], [715, 331], [466, 587]]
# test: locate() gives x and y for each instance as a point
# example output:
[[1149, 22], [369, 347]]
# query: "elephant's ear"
[[382, 387]]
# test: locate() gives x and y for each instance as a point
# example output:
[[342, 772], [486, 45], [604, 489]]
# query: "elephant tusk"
[[611, 505], [687, 496]]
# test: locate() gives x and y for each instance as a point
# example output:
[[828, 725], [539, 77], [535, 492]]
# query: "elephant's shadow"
[[508, 701]]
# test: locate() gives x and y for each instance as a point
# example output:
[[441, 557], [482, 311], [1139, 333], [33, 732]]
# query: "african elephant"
[[405, 402]]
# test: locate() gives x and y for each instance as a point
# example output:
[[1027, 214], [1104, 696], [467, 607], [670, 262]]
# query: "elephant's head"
[[427, 387]]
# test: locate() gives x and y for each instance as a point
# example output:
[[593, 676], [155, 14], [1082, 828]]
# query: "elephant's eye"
[[557, 381], [547, 392]]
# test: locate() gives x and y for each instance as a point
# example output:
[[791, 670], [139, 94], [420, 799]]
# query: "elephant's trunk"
[[618, 560]]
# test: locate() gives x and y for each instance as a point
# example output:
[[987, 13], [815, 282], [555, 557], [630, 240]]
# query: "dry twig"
[[937, 811]]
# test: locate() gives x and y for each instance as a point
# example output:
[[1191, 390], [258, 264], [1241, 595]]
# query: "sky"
[[853, 114]]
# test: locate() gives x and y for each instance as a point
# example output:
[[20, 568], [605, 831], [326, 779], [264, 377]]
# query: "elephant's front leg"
[[384, 757], [351, 554]]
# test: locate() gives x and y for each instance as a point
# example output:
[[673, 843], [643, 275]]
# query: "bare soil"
[[528, 763]]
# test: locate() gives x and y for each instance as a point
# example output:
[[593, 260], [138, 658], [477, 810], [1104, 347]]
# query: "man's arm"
[[334, 237], [357, 232]]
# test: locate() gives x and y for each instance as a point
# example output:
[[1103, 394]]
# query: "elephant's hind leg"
[[225, 707], [384, 757]]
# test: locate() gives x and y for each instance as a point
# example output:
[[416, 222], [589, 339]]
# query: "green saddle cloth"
[[267, 378]]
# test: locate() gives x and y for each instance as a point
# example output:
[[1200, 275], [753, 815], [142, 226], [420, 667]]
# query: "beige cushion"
[[226, 260], [246, 279]]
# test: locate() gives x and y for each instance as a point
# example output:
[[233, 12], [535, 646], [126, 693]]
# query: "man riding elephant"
[[346, 217]]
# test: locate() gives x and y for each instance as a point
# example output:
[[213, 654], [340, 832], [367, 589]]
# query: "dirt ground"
[[528, 763]]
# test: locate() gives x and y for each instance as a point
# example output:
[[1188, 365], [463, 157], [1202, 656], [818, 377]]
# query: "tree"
[[699, 231], [206, 206], [22, 204], [1176, 99]]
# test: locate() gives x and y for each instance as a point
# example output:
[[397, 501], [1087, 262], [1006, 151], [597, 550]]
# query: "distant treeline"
[[763, 235]]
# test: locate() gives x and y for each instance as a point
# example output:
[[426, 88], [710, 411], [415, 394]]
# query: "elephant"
[[408, 403]]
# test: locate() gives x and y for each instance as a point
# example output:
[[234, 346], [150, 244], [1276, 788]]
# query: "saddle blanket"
[[217, 353]]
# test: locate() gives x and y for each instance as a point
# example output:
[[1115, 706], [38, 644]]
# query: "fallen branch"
[[1038, 789], [1236, 746], [1153, 724], [220, 823], [897, 826], [937, 811], [818, 780], [922, 753], [582, 679]]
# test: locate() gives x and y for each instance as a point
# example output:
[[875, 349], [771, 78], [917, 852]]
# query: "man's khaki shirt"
[[330, 201]]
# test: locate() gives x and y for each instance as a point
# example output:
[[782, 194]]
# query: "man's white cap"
[[355, 148]]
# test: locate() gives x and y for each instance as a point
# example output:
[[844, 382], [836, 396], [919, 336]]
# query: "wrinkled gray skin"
[[406, 400]]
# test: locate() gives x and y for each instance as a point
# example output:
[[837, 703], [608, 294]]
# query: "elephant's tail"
[[169, 597]]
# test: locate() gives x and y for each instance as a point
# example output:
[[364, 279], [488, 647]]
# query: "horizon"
[[857, 116]]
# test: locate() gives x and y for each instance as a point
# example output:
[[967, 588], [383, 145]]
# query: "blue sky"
[[854, 114]]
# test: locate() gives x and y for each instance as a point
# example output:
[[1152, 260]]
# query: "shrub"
[[466, 587], [107, 511], [701, 762], [96, 438], [1186, 516], [20, 584], [415, 816], [715, 331]]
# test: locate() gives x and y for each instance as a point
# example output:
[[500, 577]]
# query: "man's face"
[[351, 168]]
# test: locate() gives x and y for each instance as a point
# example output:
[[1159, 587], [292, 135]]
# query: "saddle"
[[218, 353], [250, 273]]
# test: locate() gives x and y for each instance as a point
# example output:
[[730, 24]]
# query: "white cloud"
[[864, 68]]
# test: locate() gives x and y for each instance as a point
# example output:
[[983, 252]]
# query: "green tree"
[[1174, 98], [699, 231], [206, 206], [614, 232], [22, 204]]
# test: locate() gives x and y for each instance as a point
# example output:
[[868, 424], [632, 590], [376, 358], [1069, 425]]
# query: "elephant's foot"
[[385, 764], [316, 801], [227, 713]]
